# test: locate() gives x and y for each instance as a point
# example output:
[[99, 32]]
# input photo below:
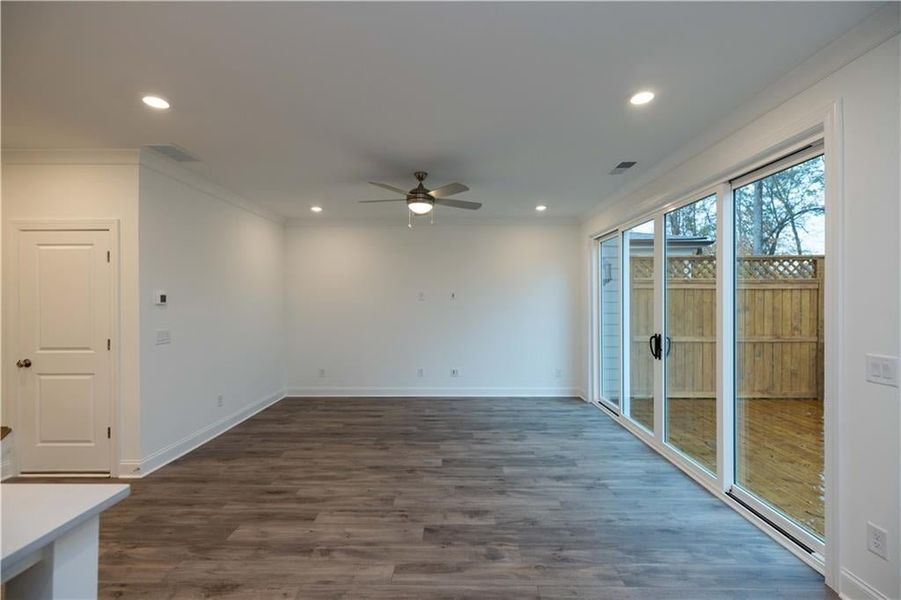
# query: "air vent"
[[176, 153], [623, 167]]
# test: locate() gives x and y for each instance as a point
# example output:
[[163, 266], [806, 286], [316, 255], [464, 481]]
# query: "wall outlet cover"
[[877, 540]]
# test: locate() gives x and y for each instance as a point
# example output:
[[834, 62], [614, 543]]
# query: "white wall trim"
[[432, 392], [855, 588], [169, 168], [133, 469]]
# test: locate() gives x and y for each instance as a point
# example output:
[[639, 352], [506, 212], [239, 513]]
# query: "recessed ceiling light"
[[642, 97], [156, 102], [541, 208], [316, 209]]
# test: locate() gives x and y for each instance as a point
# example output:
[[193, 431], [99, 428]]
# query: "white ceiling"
[[294, 104]]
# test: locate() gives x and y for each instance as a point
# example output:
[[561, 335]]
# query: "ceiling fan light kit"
[[422, 201]]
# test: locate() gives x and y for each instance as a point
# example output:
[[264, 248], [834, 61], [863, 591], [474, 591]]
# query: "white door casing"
[[63, 321]]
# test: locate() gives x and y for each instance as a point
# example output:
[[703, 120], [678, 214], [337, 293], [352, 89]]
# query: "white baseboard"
[[853, 587], [132, 469], [430, 392]]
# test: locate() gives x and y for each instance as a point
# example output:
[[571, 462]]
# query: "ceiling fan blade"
[[391, 200], [448, 190], [396, 190], [458, 204]]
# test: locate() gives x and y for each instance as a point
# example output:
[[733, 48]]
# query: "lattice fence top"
[[761, 268]]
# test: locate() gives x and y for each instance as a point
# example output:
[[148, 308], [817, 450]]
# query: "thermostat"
[[160, 297]]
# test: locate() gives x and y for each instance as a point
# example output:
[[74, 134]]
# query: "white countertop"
[[35, 514]]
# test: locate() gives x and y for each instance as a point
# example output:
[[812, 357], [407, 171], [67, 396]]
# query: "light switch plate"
[[162, 337], [882, 369]]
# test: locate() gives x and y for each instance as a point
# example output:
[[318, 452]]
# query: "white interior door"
[[63, 379]]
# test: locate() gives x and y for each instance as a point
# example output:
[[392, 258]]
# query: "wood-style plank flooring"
[[780, 443], [429, 498]]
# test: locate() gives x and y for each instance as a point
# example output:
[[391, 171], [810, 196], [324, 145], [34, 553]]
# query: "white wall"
[[868, 414], [220, 261], [82, 185], [353, 309]]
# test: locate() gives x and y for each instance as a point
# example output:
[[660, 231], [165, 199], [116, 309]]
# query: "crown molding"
[[167, 167]]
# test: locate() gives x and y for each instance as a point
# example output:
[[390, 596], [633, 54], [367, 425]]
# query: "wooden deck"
[[428, 498], [780, 448]]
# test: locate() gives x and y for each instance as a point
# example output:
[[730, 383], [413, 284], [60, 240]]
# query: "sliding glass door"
[[779, 341], [639, 323], [689, 344], [718, 304]]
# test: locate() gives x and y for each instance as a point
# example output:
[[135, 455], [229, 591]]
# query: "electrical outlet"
[[455, 372], [453, 296], [163, 337], [419, 372], [558, 373], [877, 540], [322, 372], [219, 401], [422, 296]]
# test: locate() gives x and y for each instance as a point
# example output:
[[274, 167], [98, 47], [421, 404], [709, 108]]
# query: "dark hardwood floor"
[[428, 498]]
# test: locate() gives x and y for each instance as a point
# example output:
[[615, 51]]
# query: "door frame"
[[596, 354], [11, 310]]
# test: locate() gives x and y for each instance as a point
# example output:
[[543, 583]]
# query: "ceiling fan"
[[420, 200]]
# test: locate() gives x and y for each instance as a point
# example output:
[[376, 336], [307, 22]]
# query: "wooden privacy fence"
[[778, 323]]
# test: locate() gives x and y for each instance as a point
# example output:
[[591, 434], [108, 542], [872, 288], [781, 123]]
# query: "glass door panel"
[[609, 296], [689, 344], [638, 243], [779, 275]]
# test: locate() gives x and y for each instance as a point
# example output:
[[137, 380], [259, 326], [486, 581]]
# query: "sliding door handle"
[[654, 344]]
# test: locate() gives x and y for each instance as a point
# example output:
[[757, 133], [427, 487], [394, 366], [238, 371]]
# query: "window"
[[609, 295], [780, 241]]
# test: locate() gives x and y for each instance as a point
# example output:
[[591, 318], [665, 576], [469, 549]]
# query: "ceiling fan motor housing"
[[420, 193]]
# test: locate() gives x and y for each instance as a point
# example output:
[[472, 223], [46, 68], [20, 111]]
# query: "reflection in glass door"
[[609, 325], [638, 326], [779, 339], [689, 344]]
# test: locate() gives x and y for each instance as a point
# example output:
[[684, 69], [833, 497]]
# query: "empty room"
[[450, 300]]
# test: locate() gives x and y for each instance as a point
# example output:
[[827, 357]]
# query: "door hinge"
[[107, 256], [107, 343], [109, 433]]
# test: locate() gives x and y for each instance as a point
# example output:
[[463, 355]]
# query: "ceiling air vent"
[[623, 167], [176, 153]]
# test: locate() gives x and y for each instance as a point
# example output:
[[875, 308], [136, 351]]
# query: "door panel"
[[609, 295], [638, 245], [690, 301], [779, 342], [64, 324]]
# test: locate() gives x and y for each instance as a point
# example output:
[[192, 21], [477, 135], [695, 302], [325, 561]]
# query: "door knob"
[[23, 363]]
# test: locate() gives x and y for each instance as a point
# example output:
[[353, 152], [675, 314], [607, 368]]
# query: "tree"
[[783, 212], [697, 219]]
